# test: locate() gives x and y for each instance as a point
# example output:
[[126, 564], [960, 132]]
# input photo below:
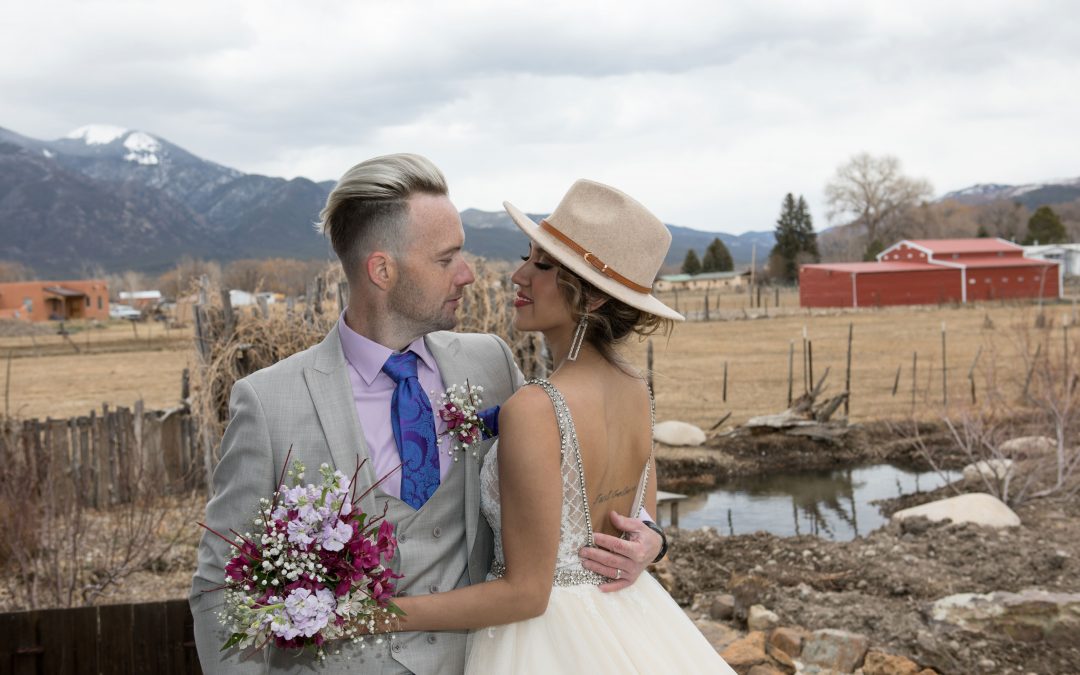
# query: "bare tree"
[[871, 193], [1003, 218]]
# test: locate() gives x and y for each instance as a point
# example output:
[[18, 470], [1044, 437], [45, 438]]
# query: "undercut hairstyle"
[[367, 209], [610, 323]]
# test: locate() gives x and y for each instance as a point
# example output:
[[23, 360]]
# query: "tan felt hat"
[[607, 238]]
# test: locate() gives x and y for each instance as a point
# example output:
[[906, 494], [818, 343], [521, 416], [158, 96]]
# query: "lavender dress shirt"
[[372, 390]]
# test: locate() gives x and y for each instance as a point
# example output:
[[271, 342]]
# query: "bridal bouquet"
[[315, 572]]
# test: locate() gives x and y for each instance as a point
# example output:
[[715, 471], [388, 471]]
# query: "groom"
[[399, 239]]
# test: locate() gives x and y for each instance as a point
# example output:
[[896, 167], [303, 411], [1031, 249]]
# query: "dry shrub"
[[59, 552]]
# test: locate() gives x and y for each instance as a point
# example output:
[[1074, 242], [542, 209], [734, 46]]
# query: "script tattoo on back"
[[612, 494]]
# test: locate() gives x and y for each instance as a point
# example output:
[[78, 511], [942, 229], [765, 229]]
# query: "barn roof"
[[876, 267], [1003, 262], [980, 245]]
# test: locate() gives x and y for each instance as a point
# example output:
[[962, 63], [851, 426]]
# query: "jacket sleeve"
[[516, 377], [244, 475]]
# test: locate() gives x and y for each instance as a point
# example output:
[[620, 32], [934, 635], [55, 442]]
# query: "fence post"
[[790, 370], [944, 370], [847, 377], [914, 379], [725, 382]]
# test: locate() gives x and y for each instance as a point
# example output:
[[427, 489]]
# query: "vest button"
[[437, 532], [431, 639], [433, 588], [402, 538], [396, 648]]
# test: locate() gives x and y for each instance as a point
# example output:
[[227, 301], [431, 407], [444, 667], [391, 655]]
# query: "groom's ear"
[[381, 269]]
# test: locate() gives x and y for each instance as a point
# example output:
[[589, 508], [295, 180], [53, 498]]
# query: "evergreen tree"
[[796, 240], [982, 232], [691, 265], [1045, 227], [717, 258], [805, 229], [872, 249]]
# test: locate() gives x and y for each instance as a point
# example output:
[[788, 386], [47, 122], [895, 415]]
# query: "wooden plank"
[[149, 652], [57, 632], [19, 644], [85, 628], [115, 637], [180, 635]]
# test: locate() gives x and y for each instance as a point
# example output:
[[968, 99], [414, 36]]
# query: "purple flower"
[[334, 536]]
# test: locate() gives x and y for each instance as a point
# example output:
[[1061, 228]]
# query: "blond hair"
[[366, 210]]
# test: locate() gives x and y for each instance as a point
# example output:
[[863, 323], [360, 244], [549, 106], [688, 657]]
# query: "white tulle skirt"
[[639, 629]]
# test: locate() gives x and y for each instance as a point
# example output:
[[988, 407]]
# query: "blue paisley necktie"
[[414, 431]]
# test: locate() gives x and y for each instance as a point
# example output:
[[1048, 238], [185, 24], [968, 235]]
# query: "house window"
[[971, 281], [99, 302], [88, 301], [28, 303]]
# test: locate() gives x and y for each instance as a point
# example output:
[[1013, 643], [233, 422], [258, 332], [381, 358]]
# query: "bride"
[[571, 450]]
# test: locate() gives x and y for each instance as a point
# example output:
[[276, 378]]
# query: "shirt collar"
[[367, 356]]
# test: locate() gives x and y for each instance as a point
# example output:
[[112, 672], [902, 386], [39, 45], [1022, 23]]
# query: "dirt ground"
[[880, 585]]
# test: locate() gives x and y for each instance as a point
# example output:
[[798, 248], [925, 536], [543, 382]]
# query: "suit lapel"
[[328, 384], [446, 349]]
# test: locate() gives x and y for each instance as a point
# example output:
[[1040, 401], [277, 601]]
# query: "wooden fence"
[[156, 637], [110, 456]]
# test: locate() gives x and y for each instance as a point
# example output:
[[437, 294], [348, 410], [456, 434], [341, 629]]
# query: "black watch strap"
[[663, 539]]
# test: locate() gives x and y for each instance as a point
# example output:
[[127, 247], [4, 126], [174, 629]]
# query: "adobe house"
[[55, 300]]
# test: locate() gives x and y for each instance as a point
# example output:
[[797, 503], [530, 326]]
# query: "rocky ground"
[[881, 586]]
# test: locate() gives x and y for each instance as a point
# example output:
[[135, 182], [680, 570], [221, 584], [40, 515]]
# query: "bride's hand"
[[621, 560]]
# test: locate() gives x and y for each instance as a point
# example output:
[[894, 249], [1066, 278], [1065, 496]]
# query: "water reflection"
[[833, 504]]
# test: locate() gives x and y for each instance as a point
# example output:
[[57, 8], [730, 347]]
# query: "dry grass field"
[[116, 365]]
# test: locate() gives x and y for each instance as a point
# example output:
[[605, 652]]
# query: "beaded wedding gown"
[[639, 629]]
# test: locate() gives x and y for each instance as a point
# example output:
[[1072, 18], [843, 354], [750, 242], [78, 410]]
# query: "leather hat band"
[[591, 258]]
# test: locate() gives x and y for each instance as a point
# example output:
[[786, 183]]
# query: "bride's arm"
[[530, 488]]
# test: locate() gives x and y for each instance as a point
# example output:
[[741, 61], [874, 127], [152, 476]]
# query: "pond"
[[832, 504]]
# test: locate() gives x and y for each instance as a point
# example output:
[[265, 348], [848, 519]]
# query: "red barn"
[[931, 271]]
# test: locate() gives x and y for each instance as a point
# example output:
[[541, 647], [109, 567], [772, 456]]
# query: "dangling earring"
[[579, 337]]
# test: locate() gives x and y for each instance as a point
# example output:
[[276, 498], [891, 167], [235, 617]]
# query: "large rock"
[[976, 507], [991, 469], [1028, 446], [719, 635], [1029, 616], [747, 652], [759, 618], [835, 649], [880, 663], [788, 640], [678, 433], [722, 607]]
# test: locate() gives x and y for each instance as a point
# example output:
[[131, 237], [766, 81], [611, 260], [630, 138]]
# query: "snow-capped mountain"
[[1031, 195], [128, 199]]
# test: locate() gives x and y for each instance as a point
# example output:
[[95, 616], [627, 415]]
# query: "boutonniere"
[[466, 424]]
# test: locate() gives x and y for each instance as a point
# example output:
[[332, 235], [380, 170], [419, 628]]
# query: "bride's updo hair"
[[610, 323]]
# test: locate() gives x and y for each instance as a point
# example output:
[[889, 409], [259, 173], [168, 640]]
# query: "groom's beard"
[[420, 313]]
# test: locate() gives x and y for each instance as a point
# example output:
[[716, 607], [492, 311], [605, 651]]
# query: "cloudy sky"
[[707, 112]]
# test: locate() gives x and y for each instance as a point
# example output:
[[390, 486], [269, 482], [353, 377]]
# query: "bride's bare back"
[[611, 412]]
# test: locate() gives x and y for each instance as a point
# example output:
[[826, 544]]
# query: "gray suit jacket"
[[305, 402]]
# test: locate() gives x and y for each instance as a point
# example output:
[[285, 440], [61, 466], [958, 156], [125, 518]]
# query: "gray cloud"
[[708, 112]]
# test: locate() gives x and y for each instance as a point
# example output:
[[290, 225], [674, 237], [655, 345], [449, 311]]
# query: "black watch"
[[663, 539]]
